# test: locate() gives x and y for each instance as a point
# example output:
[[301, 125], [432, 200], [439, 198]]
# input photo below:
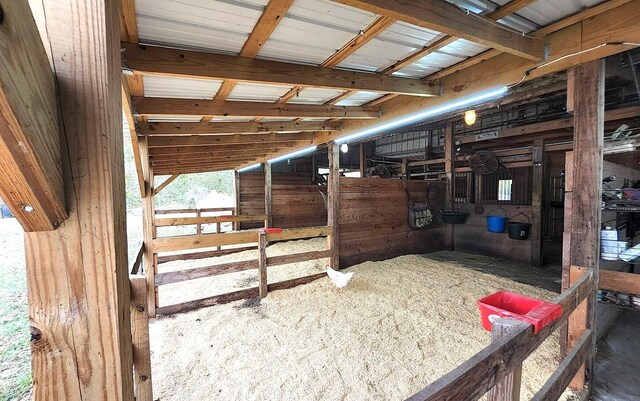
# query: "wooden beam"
[[267, 194], [186, 242], [140, 339], [444, 17], [128, 24], [231, 139], [271, 16], [236, 197], [217, 150], [155, 107], [77, 275], [300, 233], [614, 280], [537, 188], [217, 128], [30, 154], [152, 60], [333, 206], [574, 19], [379, 25], [148, 234], [510, 8], [181, 221], [133, 135], [588, 98], [165, 183], [206, 271]]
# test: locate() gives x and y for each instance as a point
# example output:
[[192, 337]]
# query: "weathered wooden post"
[[140, 339], [508, 389], [333, 194], [262, 262]]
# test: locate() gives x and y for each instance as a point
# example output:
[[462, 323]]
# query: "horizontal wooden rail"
[[300, 233], [137, 262], [207, 271], [475, 377], [234, 296], [183, 221], [558, 382], [186, 242], [203, 210], [616, 281], [203, 254], [297, 257]]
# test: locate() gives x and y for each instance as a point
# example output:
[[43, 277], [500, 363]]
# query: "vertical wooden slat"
[[77, 275], [363, 163], [236, 191], [508, 389], [262, 263], [588, 100], [148, 234], [267, 195], [333, 195], [199, 226], [448, 170], [140, 339], [536, 202]]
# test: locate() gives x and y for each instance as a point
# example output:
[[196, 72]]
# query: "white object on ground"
[[339, 279]]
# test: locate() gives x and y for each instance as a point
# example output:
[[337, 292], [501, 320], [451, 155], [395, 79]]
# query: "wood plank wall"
[[473, 236], [296, 201], [374, 219]]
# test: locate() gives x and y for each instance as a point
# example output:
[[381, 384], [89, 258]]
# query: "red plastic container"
[[271, 230], [506, 304]]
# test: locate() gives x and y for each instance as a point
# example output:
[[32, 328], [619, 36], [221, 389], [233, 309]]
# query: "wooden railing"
[[137, 262], [198, 214], [261, 263], [493, 366]]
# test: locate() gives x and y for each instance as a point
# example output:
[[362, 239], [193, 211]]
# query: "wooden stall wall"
[[374, 219], [296, 200], [473, 236]]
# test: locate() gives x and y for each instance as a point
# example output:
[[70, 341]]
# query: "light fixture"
[[251, 167], [427, 113], [344, 148], [470, 117], [293, 155]]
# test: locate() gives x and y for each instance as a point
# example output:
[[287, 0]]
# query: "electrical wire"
[[529, 71]]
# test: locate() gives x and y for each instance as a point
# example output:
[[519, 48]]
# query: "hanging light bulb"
[[470, 117], [344, 148]]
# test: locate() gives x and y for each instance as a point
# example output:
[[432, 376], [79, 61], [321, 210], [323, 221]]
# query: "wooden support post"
[[148, 231], [218, 227], [584, 212], [333, 195], [449, 154], [236, 191], [405, 169], [267, 195], [77, 275], [199, 226], [314, 168], [363, 161], [538, 159], [509, 388], [166, 182], [262, 263], [140, 339]]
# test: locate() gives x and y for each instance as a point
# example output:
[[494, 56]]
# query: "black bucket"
[[453, 217], [519, 230]]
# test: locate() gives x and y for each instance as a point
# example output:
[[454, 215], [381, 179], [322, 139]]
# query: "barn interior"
[[397, 166]]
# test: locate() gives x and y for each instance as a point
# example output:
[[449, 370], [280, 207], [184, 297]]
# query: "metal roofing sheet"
[[258, 92], [181, 88], [545, 12], [359, 98], [159, 119], [395, 43], [313, 30], [315, 96], [221, 26]]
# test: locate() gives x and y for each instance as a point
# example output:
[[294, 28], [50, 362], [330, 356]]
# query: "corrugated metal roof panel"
[[359, 98], [258, 92], [160, 119], [315, 96], [221, 26], [313, 30], [181, 88], [395, 43], [545, 12]]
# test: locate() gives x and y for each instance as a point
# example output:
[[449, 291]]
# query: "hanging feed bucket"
[[496, 224], [519, 230]]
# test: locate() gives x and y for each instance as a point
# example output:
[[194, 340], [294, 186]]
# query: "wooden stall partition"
[[373, 219], [295, 200]]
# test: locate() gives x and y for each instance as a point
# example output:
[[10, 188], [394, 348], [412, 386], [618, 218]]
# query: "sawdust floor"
[[398, 326]]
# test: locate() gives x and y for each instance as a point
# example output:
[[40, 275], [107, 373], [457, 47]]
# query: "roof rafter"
[[150, 60], [239, 139], [451, 20]]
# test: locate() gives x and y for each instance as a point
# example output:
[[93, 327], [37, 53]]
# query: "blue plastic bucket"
[[496, 224]]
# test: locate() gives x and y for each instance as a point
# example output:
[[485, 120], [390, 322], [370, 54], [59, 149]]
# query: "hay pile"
[[398, 326]]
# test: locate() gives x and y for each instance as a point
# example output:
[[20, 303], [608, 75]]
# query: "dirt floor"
[[398, 326]]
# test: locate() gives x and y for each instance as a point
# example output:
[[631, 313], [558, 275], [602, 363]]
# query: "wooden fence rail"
[[615, 281], [475, 377]]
